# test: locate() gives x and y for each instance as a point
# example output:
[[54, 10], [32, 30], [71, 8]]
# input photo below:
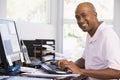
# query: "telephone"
[[25, 53]]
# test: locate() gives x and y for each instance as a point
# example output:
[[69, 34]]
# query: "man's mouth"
[[84, 25]]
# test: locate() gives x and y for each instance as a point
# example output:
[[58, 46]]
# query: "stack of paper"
[[52, 76]]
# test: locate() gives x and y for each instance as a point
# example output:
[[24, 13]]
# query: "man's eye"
[[77, 17], [84, 15]]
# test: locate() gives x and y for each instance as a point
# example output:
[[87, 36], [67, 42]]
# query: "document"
[[28, 69], [47, 75], [4, 77]]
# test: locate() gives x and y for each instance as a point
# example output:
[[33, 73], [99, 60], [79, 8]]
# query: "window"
[[29, 10], [73, 36]]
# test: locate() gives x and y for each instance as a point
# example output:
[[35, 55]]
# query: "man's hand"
[[61, 64], [64, 64]]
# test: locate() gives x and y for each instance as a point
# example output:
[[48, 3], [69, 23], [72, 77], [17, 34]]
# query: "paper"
[[4, 77], [28, 69], [46, 75]]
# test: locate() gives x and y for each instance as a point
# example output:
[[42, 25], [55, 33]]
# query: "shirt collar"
[[96, 35]]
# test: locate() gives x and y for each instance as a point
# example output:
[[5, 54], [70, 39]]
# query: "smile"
[[84, 25]]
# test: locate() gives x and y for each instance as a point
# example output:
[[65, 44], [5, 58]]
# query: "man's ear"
[[95, 14]]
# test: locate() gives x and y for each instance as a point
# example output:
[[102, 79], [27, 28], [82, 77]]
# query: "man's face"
[[86, 18]]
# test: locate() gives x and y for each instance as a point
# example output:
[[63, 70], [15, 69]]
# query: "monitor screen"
[[10, 40]]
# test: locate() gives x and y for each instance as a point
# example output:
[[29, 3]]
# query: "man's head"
[[87, 17]]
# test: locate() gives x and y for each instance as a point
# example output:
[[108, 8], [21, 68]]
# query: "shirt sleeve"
[[112, 50]]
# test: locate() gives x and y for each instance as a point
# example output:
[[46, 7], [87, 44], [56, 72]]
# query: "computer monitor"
[[9, 42]]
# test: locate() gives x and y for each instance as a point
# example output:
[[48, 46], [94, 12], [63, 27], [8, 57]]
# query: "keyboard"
[[52, 69]]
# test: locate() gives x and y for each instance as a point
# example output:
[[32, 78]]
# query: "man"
[[101, 57]]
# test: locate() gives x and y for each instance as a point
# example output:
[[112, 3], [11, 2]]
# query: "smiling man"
[[101, 57]]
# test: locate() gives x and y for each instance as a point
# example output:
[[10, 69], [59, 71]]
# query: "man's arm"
[[102, 74], [80, 63]]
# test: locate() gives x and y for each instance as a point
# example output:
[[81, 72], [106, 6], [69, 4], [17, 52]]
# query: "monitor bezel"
[[16, 56]]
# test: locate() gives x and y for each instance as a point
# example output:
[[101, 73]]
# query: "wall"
[[31, 31], [117, 17], [55, 31], [2, 8]]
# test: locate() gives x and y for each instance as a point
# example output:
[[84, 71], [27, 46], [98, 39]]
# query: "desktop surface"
[[24, 78]]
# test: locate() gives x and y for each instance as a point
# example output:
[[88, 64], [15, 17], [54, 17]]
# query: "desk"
[[24, 78], [38, 75], [32, 78], [41, 74]]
